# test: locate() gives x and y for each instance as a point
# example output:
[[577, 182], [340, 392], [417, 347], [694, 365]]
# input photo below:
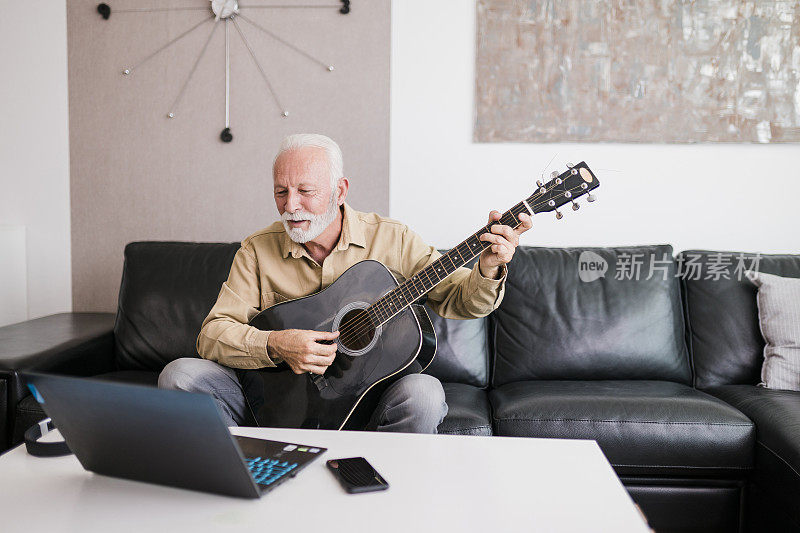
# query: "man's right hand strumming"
[[303, 350]]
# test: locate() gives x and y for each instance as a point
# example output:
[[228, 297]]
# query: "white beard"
[[317, 223]]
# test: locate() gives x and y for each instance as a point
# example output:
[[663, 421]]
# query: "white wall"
[[732, 197], [34, 147]]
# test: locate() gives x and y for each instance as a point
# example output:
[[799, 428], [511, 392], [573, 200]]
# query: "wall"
[[733, 197], [137, 175], [34, 154]]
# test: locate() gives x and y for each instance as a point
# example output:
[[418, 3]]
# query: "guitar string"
[[363, 323]]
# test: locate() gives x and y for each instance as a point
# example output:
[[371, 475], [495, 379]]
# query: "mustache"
[[299, 215]]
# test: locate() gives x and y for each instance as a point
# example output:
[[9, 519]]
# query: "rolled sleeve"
[[225, 336], [486, 293]]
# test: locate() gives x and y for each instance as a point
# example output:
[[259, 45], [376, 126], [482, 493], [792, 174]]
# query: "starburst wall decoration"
[[228, 12]]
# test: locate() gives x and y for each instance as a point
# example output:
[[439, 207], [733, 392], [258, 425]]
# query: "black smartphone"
[[357, 475]]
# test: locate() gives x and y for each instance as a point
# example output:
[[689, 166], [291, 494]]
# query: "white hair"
[[334, 153]]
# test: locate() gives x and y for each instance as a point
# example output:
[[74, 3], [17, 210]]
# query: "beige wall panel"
[[136, 175]]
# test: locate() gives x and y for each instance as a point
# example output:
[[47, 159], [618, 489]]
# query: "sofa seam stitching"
[[773, 452], [462, 430], [619, 421], [686, 466]]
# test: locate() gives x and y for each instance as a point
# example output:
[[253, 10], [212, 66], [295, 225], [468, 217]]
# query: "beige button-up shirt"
[[270, 268]]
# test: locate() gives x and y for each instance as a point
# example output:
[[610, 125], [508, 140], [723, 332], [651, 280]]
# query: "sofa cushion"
[[167, 290], [779, 318], [776, 414], [643, 427], [468, 411], [462, 352], [552, 325], [727, 347]]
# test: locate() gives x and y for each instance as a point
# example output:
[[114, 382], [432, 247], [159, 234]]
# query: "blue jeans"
[[413, 404]]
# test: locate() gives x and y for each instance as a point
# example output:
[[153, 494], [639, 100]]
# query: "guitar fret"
[[466, 254], [417, 289], [476, 246], [436, 268], [428, 275], [447, 255]]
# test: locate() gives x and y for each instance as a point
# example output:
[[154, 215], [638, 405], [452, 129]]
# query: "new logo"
[[591, 266]]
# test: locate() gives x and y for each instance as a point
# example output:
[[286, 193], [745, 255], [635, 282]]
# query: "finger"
[[326, 350], [491, 237], [505, 231], [501, 250], [497, 239], [315, 369], [319, 360], [494, 215], [324, 335], [527, 223]]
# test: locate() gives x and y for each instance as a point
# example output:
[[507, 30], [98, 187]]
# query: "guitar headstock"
[[578, 180]]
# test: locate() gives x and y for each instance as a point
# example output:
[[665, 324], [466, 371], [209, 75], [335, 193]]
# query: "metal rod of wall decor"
[[227, 75], [287, 7], [327, 67], [158, 9], [171, 113], [128, 70], [344, 8], [261, 70]]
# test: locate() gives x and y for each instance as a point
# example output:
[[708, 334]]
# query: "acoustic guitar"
[[384, 331]]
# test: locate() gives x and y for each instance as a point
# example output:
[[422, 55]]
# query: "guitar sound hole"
[[356, 330]]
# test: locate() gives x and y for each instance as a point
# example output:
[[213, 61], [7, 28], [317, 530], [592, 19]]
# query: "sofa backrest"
[[724, 337], [167, 290], [557, 322]]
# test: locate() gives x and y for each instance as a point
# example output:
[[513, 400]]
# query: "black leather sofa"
[[661, 370]]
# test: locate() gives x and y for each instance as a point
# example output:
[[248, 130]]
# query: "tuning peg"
[[554, 174], [591, 197], [575, 205], [559, 216], [570, 165], [539, 183]]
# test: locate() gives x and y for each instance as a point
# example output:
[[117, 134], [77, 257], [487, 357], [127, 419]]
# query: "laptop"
[[163, 436]]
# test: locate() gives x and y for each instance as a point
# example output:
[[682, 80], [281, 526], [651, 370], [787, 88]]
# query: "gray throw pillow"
[[779, 317]]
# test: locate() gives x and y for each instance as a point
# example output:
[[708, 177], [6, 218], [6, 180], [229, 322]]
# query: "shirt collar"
[[352, 233]]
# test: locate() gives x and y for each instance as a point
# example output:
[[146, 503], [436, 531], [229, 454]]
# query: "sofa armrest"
[[69, 343]]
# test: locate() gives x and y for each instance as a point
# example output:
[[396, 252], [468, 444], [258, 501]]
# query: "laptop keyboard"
[[268, 471]]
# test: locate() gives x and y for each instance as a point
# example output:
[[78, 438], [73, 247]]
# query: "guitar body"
[[339, 400]]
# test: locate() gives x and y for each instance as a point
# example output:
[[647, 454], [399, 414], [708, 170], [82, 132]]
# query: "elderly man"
[[318, 238]]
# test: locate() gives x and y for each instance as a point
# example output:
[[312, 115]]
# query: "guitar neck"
[[426, 279], [563, 188]]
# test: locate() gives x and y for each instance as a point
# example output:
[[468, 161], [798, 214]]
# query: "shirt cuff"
[[256, 342], [499, 281], [485, 294]]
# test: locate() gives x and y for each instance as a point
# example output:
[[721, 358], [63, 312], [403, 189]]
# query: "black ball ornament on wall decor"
[[229, 12]]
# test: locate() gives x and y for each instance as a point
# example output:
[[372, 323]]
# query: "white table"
[[437, 483]]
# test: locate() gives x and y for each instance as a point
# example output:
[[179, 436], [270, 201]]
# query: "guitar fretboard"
[[426, 279]]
